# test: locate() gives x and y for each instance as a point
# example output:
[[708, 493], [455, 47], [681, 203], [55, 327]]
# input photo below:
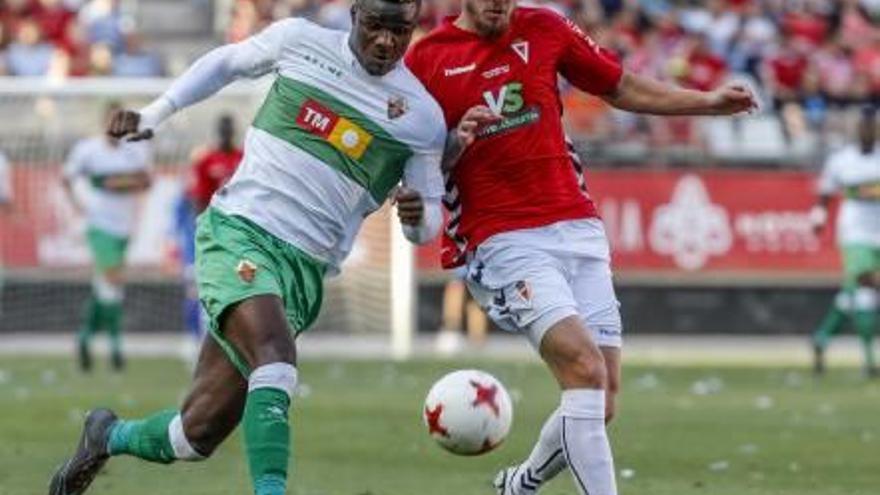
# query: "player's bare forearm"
[[818, 215], [646, 95]]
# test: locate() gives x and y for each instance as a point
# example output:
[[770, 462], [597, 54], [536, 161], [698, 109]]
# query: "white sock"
[[545, 462], [585, 442]]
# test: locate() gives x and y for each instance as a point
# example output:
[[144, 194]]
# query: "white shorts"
[[529, 280]]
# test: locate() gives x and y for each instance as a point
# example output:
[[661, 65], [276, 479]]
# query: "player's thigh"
[[215, 403], [593, 289], [525, 293], [258, 329]]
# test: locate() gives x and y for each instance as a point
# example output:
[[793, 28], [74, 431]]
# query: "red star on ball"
[[433, 419], [486, 395]]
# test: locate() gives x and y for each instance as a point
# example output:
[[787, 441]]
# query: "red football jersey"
[[210, 171], [520, 173]]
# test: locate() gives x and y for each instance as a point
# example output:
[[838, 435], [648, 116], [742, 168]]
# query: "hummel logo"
[[459, 70]]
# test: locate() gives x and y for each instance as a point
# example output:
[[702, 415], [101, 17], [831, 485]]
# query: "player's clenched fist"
[[125, 123], [474, 119], [410, 206], [465, 133], [733, 98]]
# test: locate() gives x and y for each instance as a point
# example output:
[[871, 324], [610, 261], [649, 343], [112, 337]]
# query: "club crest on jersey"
[[247, 271], [524, 290], [522, 49], [397, 106]]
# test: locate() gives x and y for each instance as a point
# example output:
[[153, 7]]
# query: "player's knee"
[[586, 369]]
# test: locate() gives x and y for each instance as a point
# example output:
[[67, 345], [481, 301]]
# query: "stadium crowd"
[[76, 38], [813, 61]]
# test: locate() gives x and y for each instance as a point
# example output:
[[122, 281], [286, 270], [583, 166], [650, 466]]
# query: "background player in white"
[[116, 172], [854, 173], [343, 123]]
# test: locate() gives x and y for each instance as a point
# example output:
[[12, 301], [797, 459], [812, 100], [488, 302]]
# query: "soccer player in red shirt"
[[536, 252], [214, 167]]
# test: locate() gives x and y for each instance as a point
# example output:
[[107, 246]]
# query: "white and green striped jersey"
[[96, 159], [856, 176], [330, 140]]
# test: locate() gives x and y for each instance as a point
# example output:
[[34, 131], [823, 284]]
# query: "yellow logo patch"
[[350, 138]]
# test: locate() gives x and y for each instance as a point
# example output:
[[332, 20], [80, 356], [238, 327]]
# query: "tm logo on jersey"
[[346, 136], [507, 101]]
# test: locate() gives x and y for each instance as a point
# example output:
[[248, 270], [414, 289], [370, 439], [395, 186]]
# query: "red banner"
[[722, 221], [658, 222]]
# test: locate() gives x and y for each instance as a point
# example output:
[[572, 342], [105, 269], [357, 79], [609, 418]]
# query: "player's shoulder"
[[421, 104], [540, 18], [299, 29]]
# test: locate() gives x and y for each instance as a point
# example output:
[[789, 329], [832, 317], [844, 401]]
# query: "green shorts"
[[857, 260], [237, 259], [108, 250]]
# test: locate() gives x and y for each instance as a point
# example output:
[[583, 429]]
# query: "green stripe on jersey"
[[868, 191], [335, 133]]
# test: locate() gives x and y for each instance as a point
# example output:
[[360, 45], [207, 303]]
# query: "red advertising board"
[[731, 222]]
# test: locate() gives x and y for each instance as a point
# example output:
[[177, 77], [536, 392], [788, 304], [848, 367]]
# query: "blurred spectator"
[[103, 22], [54, 18], [698, 67], [785, 72], [757, 32], [837, 75], [74, 57], [867, 63], [134, 61], [717, 21], [29, 54]]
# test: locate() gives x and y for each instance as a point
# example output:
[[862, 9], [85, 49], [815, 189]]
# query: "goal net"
[[46, 273]]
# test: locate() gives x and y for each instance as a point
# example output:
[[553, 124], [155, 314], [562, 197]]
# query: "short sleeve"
[[829, 180], [76, 161], [584, 63]]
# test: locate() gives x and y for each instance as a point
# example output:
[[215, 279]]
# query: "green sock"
[[146, 438], [865, 322], [831, 324], [112, 318], [92, 316], [267, 439]]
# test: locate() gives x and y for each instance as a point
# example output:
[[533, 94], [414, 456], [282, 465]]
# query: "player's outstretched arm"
[[251, 58], [645, 95]]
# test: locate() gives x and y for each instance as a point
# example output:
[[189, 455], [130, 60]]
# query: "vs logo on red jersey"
[[508, 99]]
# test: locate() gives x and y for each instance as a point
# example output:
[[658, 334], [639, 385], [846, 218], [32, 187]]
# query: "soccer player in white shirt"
[[854, 173], [343, 124], [117, 172]]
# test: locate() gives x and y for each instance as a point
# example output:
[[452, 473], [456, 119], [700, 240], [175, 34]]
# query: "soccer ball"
[[468, 412]]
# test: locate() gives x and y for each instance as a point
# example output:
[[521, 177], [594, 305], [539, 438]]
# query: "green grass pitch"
[[357, 428]]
